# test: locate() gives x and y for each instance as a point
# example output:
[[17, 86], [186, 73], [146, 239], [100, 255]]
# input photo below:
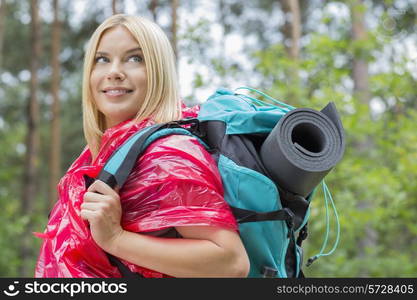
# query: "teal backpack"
[[272, 219]]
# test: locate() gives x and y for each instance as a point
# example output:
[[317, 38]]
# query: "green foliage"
[[372, 186]]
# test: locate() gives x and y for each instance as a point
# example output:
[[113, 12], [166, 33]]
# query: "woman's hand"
[[102, 209]]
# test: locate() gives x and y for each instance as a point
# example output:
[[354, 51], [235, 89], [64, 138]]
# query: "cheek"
[[141, 79], [143, 87], [94, 81]]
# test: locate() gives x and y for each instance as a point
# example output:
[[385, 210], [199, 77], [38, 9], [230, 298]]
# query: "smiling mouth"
[[117, 92]]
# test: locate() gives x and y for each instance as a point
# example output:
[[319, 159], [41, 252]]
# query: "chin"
[[117, 119]]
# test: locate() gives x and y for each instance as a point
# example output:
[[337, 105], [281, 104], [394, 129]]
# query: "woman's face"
[[118, 80]]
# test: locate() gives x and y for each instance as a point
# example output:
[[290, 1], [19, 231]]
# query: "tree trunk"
[[292, 36], [174, 9], [152, 6], [2, 25], [117, 7], [360, 76], [32, 140], [55, 158], [113, 7], [292, 27], [360, 72]]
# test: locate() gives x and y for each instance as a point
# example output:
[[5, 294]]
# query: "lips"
[[116, 91]]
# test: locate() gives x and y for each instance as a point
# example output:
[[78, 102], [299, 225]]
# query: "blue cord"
[[260, 102], [285, 107], [327, 196]]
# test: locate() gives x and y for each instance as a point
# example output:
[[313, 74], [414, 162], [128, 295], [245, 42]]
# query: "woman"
[[175, 190]]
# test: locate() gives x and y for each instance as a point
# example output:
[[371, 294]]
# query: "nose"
[[116, 72]]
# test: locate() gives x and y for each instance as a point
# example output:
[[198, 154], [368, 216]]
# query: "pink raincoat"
[[174, 183]]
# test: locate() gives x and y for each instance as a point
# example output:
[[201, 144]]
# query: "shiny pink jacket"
[[174, 183]]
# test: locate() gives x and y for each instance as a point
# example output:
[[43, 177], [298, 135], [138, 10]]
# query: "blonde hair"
[[161, 102]]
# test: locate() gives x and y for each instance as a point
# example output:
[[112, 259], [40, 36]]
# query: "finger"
[[94, 197], [92, 206], [88, 215], [102, 188]]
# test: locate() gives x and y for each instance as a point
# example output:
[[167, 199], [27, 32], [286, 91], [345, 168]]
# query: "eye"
[[135, 58], [101, 59]]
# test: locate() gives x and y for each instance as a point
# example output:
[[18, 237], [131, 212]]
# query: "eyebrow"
[[128, 51]]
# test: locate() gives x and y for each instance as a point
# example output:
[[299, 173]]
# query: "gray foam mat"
[[303, 147]]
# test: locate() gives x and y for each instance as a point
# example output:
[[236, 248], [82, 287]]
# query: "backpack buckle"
[[303, 233], [290, 221], [194, 128]]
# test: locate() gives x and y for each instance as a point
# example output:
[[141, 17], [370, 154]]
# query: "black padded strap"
[[125, 271], [296, 203], [244, 215]]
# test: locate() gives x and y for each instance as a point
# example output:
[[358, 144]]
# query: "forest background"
[[360, 54]]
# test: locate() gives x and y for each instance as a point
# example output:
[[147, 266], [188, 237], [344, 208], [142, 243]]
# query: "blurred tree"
[[55, 148], [174, 25], [2, 21], [113, 7], [117, 6], [359, 39], [153, 5], [292, 27], [14, 90], [360, 77], [32, 141], [292, 35]]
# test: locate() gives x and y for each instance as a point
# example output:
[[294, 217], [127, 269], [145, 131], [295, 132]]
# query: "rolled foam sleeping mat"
[[303, 147]]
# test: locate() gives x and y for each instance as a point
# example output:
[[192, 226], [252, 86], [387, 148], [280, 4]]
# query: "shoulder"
[[179, 145], [182, 156]]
